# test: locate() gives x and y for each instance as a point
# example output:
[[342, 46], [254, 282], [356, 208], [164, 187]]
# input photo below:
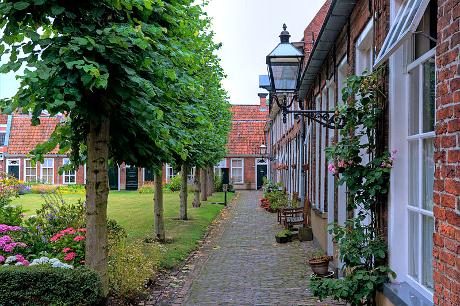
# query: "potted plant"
[[283, 236], [319, 263]]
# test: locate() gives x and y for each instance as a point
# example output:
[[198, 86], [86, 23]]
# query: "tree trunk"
[[97, 192], [197, 186], [210, 181], [158, 219], [183, 193], [204, 183]]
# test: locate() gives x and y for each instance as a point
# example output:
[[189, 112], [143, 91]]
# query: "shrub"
[[218, 186], [44, 285], [9, 189], [42, 188], [69, 245], [71, 189], [130, 266], [174, 184], [277, 199], [10, 246], [148, 187]]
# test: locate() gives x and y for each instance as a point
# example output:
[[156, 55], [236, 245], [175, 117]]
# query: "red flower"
[[82, 230], [70, 256], [65, 250], [79, 238], [56, 237]]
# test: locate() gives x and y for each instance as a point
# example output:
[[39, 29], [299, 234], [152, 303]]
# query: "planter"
[[305, 234], [319, 266], [283, 239], [329, 274]]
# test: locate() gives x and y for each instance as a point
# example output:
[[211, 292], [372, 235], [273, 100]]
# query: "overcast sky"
[[249, 30]]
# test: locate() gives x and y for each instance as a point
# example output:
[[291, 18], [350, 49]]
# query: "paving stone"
[[247, 267]]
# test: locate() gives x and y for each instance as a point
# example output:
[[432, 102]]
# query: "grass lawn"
[[134, 211]]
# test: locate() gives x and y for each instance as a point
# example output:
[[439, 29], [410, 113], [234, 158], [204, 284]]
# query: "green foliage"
[[9, 189], [174, 183], [130, 267], [218, 186], [44, 285], [277, 199], [147, 188], [283, 233], [362, 249]]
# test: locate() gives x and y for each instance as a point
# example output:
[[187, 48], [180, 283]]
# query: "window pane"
[[427, 248], [429, 80], [413, 244], [414, 101], [428, 174], [413, 173], [237, 175], [237, 163]]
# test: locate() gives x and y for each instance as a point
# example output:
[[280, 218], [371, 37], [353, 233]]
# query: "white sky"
[[249, 30]]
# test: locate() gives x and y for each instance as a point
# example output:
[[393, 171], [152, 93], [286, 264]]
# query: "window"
[[421, 171], [405, 23], [237, 171], [364, 52], [30, 173], [47, 171], [68, 177], [170, 173]]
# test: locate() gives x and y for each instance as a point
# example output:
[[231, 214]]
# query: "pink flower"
[[82, 230], [79, 238], [331, 168], [56, 237], [65, 250], [70, 256], [2, 258], [69, 230], [341, 164]]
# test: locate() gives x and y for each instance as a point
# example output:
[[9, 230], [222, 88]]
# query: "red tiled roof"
[[247, 132], [249, 112], [24, 137], [312, 30]]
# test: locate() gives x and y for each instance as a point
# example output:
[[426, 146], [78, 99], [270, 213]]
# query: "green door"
[[131, 178], [113, 178]]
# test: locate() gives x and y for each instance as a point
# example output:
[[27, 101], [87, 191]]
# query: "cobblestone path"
[[247, 267]]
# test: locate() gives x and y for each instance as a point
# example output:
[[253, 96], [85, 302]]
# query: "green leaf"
[[21, 5], [57, 10]]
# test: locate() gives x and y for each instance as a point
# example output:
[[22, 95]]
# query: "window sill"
[[404, 294]]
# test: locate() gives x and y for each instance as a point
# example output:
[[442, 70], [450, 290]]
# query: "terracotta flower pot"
[[319, 266]]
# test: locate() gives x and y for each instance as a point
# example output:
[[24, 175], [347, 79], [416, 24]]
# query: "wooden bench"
[[291, 216]]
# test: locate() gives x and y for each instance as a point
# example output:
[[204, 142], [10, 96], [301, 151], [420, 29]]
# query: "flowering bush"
[[69, 244], [53, 262], [17, 260], [9, 189], [8, 246]]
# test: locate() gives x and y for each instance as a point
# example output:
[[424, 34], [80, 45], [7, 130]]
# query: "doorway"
[[12, 167], [131, 178], [262, 170]]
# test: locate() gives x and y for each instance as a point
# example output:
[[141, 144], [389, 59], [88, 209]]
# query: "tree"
[[183, 192], [112, 68], [158, 219]]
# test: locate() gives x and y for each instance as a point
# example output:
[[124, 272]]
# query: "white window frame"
[[68, 174], [233, 167], [415, 10], [419, 138], [42, 167], [8, 163], [169, 173], [399, 90], [364, 54], [25, 170]]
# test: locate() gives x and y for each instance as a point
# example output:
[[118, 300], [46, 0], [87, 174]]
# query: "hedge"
[[43, 285]]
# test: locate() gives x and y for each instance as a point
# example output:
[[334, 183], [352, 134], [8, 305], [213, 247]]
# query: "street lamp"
[[263, 150], [284, 71]]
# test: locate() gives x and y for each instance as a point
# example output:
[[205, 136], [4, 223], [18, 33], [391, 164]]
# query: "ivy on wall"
[[358, 163]]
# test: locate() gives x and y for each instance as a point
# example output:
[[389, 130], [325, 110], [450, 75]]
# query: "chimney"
[[263, 99]]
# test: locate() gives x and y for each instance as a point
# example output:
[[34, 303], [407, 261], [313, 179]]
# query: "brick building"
[[446, 195], [18, 138], [418, 40], [247, 135]]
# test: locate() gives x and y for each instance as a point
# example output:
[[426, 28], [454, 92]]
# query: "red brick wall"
[[446, 250]]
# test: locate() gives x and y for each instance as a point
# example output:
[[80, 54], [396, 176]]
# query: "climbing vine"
[[358, 162]]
